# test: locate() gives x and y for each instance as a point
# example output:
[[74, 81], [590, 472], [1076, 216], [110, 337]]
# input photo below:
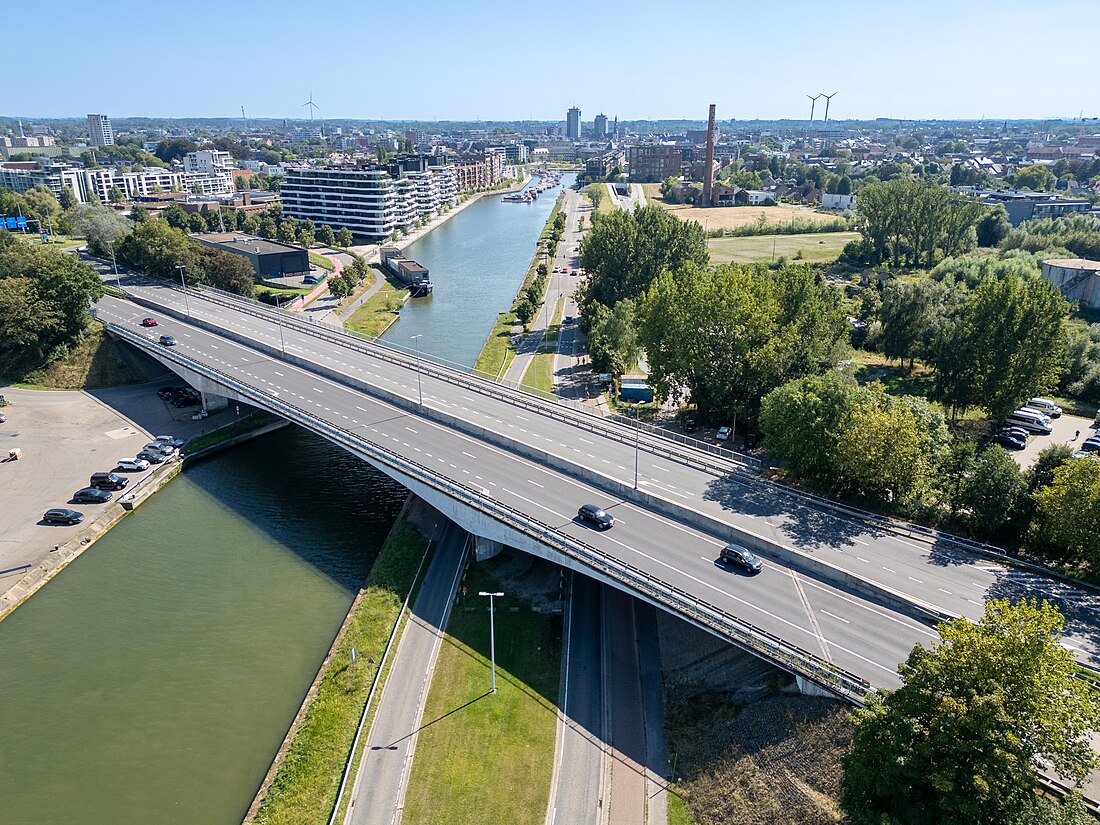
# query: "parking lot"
[[1071, 430], [64, 438]]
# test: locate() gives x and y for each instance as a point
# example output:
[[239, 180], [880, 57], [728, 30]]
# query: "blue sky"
[[483, 59]]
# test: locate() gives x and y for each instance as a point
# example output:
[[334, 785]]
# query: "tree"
[[910, 315], [993, 492], [613, 338], [326, 236], [114, 195], [174, 149], [268, 229], [1068, 511], [344, 238], [306, 238], [103, 228], [596, 193], [729, 335], [155, 247], [993, 227], [176, 217], [139, 214], [844, 186], [67, 199], [1036, 177], [959, 741], [626, 251], [196, 222], [1048, 461], [287, 232]]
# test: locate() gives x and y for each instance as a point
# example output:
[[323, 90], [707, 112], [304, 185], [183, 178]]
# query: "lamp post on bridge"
[[279, 318], [183, 285], [492, 639], [419, 388]]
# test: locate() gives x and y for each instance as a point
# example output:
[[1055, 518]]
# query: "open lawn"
[[484, 757], [498, 351], [815, 247], [540, 374], [379, 310], [321, 261], [730, 217]]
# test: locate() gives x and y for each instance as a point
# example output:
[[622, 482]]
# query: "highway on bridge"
[[840, 626]]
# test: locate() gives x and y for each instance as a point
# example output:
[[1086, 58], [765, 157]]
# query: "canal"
[[153, 680], [477, 261]]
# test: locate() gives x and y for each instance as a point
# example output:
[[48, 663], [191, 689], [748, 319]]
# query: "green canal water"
[[153, 680]]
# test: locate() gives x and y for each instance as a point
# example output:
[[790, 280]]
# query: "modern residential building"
[[208, 162], [599, 127], [1024, 206], [601, 166], [92, 184], [1078, 278], [846, 203], [269, 259], [651, 164], [573, 124], [100, 131]]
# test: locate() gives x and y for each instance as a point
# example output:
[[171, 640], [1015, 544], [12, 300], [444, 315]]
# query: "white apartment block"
[[368, 202], [100, 131], [90, 184], [208, 162]]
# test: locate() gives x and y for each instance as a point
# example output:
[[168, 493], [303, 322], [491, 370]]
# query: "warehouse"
[[270, 259]]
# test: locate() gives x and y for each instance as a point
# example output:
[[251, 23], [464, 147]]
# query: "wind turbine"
[[813, 103], [827, 99], [313, 106]]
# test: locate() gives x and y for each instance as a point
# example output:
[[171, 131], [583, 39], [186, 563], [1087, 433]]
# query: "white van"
[[1031, 420], [1044, 405]]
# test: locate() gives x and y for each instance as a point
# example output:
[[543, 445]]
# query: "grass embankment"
[[95, 362], [253, 421], [498, 353], [484, 757], [814, 248], [540, 374], [380, 310], [321, 261], [777, 760], [304, 789]]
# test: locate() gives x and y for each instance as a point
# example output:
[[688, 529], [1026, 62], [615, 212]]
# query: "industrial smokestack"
[[708, 173]]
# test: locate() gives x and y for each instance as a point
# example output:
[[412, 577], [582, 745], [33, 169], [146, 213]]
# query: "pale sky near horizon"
[[491, 60]]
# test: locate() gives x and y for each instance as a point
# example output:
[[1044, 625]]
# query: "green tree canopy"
[[728, 335], [101, 226], [344, 237], [1069, 511], [993, 493], [959, 741]]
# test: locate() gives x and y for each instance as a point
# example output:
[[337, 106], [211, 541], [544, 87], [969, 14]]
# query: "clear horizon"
[[491, 61]]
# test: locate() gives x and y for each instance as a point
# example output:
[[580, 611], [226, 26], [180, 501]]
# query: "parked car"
[[133, 464], [3, 418], [1092, 445], [1031, 420], [1009, 440], [311, 279], [170, 440], [596, 516], [93, 495], [742, 557], [62, 515], [567, 320], [149, 322], [166, 450], [168, 340], [151, 457], [689, 425], [1016, 431], [1044, 405], [108, 481], [723, 433]]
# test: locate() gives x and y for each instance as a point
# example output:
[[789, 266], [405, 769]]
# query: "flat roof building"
[[100, 131], [652, 164], [269, 259], [1078, 278]]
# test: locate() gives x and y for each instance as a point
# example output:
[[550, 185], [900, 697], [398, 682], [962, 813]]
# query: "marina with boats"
[[544, 179]]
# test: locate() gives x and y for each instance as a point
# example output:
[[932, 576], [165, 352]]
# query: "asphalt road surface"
[[378, 795], [860, 636]]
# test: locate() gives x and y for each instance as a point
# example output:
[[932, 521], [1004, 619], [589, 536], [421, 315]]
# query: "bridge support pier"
[[212, 402], [486, 548], [808, 688]]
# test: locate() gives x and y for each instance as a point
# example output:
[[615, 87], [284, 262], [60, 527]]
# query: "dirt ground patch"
[[730, 217], [777, 760]]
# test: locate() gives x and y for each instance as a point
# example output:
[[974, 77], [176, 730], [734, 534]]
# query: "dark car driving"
[[742, 557], [596, 516]]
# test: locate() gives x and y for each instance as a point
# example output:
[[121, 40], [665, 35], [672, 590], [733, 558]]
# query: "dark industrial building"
[[270, 259]]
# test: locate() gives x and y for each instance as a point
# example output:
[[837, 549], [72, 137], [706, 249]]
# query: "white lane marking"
[[362, 409], [857, 541], [863, 559], [888, 570], [834, 616], [315, 389], [529, 481], [918, 581], [948, 592], [469, 455], [411, 430], [529, 501], [278, 373]]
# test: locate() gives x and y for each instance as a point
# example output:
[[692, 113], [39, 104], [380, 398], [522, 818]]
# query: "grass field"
[[321, 261], [498, 346], [540, 374], [304, 789], [484, 757], [730, 217], [377, 312], [815, 247]]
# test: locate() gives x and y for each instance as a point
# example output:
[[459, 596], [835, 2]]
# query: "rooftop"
[[246, 242], [1075, 263]]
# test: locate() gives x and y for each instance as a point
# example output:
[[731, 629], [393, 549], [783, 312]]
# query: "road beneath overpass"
[[838, 625]]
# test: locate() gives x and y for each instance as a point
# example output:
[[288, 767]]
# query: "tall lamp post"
[[419, 388], [279, 320], [186, 305], [637, 440], [492, 639], [114, 265]]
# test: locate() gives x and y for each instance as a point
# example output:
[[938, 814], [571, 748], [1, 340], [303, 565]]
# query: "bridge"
[[844, 594]]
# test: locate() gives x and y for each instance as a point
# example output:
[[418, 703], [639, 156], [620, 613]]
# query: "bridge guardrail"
[[789, 656], [485, 384]]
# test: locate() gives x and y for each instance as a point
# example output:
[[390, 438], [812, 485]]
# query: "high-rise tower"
[[100, 131], [573, 124]]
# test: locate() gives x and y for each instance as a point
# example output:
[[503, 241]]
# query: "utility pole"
[[492, 639]]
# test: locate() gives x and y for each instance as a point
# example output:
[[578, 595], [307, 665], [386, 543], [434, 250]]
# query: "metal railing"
[[759, 641]]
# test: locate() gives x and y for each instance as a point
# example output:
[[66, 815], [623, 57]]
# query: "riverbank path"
[[378, 796]]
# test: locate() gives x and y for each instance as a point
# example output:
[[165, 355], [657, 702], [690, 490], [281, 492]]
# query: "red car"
[[148, 322]]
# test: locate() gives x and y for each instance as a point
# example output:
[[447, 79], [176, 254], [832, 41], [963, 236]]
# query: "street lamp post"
[[186, 304], [279, 317], [419, 387], [114, 265], [637, 440], [492, 639]]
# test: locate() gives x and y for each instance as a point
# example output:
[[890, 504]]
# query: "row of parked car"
[[179, 396], [1031, 419], [101, 486]]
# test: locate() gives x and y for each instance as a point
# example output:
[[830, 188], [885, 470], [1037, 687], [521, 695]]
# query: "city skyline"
[[882, 61]]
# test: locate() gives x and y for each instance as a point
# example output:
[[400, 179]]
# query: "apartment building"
[[649, 164], [99, 130], [372, 202], [479, 173], [92, 184], [208, 162], [573, 124]]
